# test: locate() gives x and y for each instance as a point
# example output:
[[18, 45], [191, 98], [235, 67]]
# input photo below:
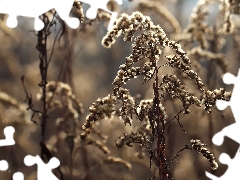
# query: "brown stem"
[[42, 48], [71, 163], [160, 126]]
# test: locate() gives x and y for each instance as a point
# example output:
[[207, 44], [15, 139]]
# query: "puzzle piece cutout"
[[4, 167], [97, 4], [8, 132], [43, 170], [231, 131], [35, 8], [18, 176], [8, 141], [233, 172]]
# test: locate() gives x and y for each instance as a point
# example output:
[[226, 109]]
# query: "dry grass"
[[156, 106]]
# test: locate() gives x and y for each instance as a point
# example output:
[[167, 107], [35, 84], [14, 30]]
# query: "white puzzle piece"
[[100, 4], [233, 172], [8, 132], [232, 131], [18, 176], [35, 8], [8, 141], [3, 165], [44, 171]]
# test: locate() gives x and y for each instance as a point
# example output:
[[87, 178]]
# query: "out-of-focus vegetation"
[[57, 76]]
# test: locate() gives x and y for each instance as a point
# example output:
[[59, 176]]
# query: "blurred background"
[[89, 69]]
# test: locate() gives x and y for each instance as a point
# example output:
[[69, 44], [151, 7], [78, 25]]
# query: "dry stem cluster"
[[155, 50]]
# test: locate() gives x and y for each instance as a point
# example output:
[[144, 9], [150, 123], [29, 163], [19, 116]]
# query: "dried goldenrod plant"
[[151, 113], [173, 63]]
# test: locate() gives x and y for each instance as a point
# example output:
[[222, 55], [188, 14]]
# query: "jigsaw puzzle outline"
[[231, 131], [32, 9], [16, 8], [8, 141], [43, 170], [92, 11], [35, 8]]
